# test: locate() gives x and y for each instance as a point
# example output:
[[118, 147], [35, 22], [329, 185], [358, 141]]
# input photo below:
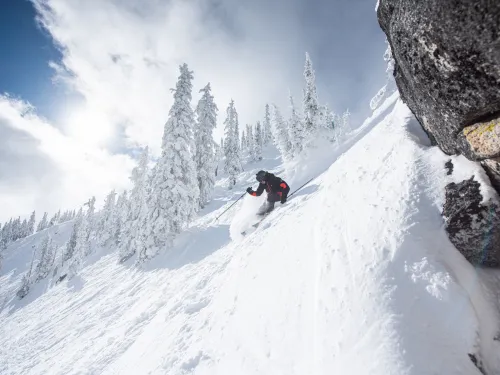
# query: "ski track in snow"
[[354, 275]]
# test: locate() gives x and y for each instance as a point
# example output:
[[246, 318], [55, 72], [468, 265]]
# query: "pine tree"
[[251, 143], [174, 185], [24, 229], [16, 229], [310, 102], [31, 224], [258, 141], [71, 245], [83, 237], [43, 224], [233, 165], [206, 112], [296, 130], [7, 232], [281, 134], [122, 210], [55, 219], [266, 127], [243, 146], [107, 222], [130, 238], [45, 262]]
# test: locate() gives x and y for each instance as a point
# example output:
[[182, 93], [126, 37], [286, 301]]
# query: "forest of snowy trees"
[[164, 198]]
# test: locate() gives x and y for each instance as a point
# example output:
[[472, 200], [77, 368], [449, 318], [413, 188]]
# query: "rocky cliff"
[[447, 69]]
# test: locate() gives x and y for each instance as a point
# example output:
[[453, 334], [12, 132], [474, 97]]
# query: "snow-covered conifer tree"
[[105, 229], [267, 135], [296, 130], [43, 223], [45, 262], [24, 229], [174, 198], [258, 141], [243, 146], [71, 245], [31, 224], [137, 209], [16, 229], [120, 236], [281, 134], [233, 165], [7, 232], [206, 112], [251, 143], [310, 102], [55, 219], [83, 245]]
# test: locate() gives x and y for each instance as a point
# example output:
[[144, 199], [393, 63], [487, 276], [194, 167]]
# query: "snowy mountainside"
[[354, 275]]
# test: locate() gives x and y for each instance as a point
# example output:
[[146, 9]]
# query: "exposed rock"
[[447, 69], [492, 167], [449, 167], [473, 227]]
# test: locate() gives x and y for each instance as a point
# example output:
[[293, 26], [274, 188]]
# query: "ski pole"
[[230, 207], [301, 187]]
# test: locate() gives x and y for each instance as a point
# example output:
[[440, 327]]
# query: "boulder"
[[447, 69], [473, 226]]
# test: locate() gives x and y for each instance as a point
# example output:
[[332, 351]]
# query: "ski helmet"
[[261, 176]]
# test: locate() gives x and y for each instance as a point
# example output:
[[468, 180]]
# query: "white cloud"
[[123, 57], [42, 169]]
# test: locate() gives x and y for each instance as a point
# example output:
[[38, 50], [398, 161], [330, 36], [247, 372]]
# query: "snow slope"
[[354, 275]]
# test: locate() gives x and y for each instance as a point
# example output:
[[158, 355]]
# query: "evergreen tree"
[[43, 224], [24, 229], [266, 127], [258, 141], [46, 260], [281, 134], [16, 229], [31, 224], [7, 232], [310, 102], [251, 143], [55, 219], [206, 112], [296, 130], [83, 245], [122, 210], [233, 162], [107, 222], [71, 245], [137, 209], [243, 146], [218, 157], [175, 193]]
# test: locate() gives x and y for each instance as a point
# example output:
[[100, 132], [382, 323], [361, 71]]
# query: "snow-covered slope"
[[354, 275]]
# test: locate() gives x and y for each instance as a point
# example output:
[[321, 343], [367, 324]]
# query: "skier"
[[276, 188]]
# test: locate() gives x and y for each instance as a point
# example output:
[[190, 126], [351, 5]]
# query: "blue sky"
[[26, 51], [118, 60]]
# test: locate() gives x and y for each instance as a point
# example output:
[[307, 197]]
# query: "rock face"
[[447, 68], [474, 228]]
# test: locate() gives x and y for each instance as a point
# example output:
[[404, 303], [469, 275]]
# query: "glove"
[[283, 200], [249, 190]]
